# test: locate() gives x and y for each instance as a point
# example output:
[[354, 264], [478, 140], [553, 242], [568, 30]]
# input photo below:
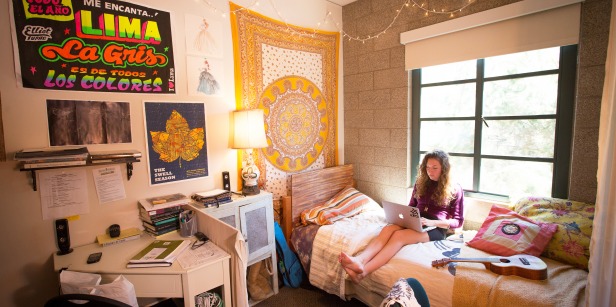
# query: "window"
[[506, 121]]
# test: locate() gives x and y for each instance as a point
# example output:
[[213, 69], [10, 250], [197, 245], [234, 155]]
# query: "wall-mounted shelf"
[[129, 167]]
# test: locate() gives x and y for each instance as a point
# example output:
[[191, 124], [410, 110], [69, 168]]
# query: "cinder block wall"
[[376, 93]]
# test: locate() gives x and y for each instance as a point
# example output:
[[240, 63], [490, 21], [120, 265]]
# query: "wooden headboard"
[[313, 188]]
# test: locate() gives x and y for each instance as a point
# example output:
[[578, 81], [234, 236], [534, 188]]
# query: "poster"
[[93, 45], [75, 122], [176, 138]]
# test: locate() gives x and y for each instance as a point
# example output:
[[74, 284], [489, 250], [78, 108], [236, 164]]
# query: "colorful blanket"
[[353, 234]]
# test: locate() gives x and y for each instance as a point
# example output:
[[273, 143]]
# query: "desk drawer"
[[151, 285]]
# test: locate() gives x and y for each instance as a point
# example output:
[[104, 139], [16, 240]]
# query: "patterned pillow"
[[571, 241], [506, 233], [347, 202]]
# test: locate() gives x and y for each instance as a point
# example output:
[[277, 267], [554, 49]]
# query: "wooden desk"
[[173, 281]]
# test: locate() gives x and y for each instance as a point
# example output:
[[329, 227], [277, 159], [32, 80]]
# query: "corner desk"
[[159, 282]]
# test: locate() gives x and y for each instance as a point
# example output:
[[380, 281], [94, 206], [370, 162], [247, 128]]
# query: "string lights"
[[328, 16]]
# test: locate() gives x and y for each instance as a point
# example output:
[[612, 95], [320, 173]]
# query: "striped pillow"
[[347, 202]]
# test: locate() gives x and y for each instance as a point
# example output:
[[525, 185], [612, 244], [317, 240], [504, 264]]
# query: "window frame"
[[564, 122]]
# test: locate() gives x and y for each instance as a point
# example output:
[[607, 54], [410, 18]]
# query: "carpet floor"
[[306, 295]]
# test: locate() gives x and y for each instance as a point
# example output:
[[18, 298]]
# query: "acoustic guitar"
[[526, 266]]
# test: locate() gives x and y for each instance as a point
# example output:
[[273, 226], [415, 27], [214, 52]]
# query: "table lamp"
[[249, 133]]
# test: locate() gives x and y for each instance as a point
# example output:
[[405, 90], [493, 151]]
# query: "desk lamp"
[[249, 133]]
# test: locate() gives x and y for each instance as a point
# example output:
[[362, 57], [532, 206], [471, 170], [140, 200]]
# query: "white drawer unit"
[[254, 216]]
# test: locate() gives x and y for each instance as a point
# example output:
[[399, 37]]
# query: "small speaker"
[[63, 237], [226, 181]]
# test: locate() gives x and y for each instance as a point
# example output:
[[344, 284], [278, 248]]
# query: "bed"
[[318, 248]]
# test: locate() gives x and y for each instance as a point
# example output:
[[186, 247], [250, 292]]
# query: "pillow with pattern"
[[347, 202], [571, 242], [506, 233]]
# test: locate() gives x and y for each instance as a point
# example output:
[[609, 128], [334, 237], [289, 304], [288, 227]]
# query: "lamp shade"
[[248, 129]]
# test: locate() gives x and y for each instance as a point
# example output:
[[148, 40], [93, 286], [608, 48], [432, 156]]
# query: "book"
[[125, 235], [164, 201], [155, 212], [41, 153], [53, 164], [160, 252], [158, 217], [157, 228], [114, 155], [160, 233], [212, 198]]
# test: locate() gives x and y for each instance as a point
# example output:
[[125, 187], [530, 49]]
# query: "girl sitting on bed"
[[441, 205]]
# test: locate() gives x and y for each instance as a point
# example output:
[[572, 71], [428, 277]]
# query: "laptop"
[[404, 216]]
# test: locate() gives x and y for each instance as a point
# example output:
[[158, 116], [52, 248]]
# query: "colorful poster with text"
[[93, 45]]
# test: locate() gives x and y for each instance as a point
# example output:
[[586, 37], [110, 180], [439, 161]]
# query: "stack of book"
[[160, 215], [158, 253], [212, 198], [52, 157]]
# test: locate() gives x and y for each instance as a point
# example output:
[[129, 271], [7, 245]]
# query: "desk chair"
[[65, 300]]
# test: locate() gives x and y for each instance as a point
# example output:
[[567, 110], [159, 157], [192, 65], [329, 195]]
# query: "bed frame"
[[311, 189]]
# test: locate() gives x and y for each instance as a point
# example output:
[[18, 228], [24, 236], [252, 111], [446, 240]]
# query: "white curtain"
[[601, 289]]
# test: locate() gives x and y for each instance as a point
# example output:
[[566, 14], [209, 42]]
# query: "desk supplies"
[[125, 235], [158, 253], [201, 239], [188, 224]]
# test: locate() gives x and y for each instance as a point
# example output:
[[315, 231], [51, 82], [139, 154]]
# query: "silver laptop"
[[404, 216]]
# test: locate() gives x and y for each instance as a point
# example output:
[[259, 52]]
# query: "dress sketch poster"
[[204, 35], [93, 45], [76, 122], [204, 76], [176, 138]]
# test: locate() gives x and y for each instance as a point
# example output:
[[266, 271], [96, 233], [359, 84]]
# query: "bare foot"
[[355, 277], [351, 263]]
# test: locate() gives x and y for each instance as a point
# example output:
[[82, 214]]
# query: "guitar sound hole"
[[505, 260]]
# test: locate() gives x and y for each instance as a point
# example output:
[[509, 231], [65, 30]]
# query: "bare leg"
[[356, 263], [397, 240]]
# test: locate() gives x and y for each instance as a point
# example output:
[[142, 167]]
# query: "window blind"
[[517, 27]]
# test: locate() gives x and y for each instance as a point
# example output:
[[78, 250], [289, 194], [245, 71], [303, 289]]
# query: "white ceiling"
[[341, 2]]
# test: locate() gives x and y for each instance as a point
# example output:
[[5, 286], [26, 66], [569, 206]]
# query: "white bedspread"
[[353, 234]]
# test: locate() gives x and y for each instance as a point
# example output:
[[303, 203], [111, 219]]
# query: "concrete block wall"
[[376, 93]]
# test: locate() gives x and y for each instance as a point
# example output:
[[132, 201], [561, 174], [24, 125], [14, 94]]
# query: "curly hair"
[[444, 191]]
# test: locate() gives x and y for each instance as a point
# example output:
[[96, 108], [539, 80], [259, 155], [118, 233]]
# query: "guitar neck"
[[481, 260]]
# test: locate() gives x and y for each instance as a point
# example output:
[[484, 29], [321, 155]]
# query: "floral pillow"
[[347, 202], [506, 233], [570, 244]]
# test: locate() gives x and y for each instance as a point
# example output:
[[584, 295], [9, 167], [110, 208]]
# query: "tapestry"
[[98, 46], [292, 74]]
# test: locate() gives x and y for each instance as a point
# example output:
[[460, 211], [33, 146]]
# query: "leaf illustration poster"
[[176, 136]]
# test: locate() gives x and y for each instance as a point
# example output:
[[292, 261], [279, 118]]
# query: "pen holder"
[[188, 226]]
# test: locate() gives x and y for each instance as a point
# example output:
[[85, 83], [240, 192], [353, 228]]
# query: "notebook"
[[404, 216]]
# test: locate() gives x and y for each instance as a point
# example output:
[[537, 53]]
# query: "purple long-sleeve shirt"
[[454, 212]]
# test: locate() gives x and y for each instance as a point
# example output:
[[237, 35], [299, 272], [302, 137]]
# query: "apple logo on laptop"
[[401, 216]]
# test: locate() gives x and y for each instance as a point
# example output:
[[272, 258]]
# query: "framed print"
[[176, 139]]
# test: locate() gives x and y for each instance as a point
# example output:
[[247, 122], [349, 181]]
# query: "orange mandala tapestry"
[[292, 74]]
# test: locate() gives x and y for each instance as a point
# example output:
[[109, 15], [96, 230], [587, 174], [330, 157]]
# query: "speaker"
[[63, 237], [226, 182]]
